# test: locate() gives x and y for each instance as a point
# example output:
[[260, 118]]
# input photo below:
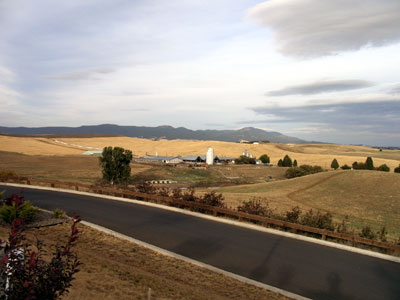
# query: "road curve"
[[308, 269]]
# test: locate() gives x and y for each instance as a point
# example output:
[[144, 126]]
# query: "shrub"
[[287, 161], [255, 207], [342, 227], [29, 275], [359, 165], [302, 170], [189, 195], [59, 213], [318, 220], [213, 199], [7, 173], [369, 164], [264, 159], [115, 163], [245, 160], [345, 167], [382, 234], [334, 164], [367, 233], [294, 172], [397, 169], [15, 207], [384, 168], [293, 215]]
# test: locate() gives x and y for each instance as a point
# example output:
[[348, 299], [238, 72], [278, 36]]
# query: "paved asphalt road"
[[307, 269]]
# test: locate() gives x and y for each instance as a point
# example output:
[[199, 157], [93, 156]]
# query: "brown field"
[[116, 269], [366, 197], [305, 154]]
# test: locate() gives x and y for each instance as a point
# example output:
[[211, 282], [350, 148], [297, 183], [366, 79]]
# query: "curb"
[[194, 262], [221, 220]]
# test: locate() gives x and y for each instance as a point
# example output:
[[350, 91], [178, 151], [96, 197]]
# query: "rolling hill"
[[166, 132]]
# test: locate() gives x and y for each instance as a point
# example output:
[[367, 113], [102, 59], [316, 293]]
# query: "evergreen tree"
[[115, 163], [334, 164], [397, 170], [280, 163], [287, 161], [369, 164], [295, 163], [265, 159]]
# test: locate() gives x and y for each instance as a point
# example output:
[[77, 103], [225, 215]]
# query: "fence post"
[[76, 188], [149, 294], [215, 213], [52, 185]]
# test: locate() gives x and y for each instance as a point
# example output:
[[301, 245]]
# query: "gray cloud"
[[310, 28], [395, 90], [321, 87], [376, 117], [82, 75]]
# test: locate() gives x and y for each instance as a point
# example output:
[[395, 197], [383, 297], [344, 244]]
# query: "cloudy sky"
[[326, 70]]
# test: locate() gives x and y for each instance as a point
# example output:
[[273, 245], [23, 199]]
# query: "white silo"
[[210, 156]]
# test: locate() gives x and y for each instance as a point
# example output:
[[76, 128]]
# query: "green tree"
[[280, 163], [369, 164], [397, 169], [295, 163], [115, 164], [334, 164], [287, 161], [264, 159]]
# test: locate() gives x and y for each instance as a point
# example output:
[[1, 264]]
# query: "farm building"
[[161, 159]]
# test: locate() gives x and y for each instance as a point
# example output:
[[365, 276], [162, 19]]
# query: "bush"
[[115, 163], [287, 161], [318, 220], [367, 233], [359, 165], [397, 169], [245, 160], [264, 159], [345, 167], [383, 168], [382, 234], [59, 213], [213, 199], [302, 170], [29, 275], [8, 173], [15, 207], [293, 215], [255, 207], [369, 164], [334, 164], [294, 172]]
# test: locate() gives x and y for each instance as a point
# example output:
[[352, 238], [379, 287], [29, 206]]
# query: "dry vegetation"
[[115, 269], [366, 197], [304, 154]]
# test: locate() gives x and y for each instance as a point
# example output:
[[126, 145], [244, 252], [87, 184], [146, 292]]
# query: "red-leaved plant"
[[26, 275]]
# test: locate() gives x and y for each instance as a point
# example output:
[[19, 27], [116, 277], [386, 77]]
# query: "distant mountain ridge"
[[167, 132]]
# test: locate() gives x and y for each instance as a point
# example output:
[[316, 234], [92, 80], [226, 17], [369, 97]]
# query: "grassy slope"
[[115, 269], [367, 197], [305, 154]]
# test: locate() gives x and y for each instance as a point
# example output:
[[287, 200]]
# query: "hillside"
[[166, 132], [367, 197]]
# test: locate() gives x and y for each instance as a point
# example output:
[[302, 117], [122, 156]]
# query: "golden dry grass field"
[[304, 154], [366, 197], [116, 269]]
